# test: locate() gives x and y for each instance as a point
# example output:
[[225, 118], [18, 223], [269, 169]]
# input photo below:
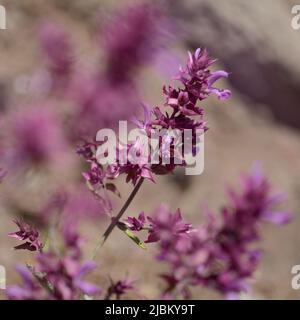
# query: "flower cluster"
[[55, 277], [57, 49], [38, 137], [29, 234], [219, 254], [162, 226], [60, 276], [131, 39], [186, 114]]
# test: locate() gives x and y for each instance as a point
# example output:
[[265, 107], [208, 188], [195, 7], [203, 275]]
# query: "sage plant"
[[221, 254]]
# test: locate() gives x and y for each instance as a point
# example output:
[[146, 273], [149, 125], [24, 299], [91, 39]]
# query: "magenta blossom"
[[28, 234], [120, 288], [137, 224], [56, 46], [95, 175], [65, 276], [132, 39], [197, 80], [31, 289], [38, 136], [161, 225], [220, 254], [53, 278], [56, 277], [164, 224]]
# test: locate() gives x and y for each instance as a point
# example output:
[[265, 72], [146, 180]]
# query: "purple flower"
[[57, 277], [31, 289], [65, 276], [221, 94], [72, 239], [132, 39], [220, 254], [95, 96], [87, 150], [147, 123], [56, 46], [164, 225], [137, 224], [254, 204], [38, 136], [120, 288], [95, 175], [54, 278], [28, 234], [133, 161], [81, 204], [198, 79]]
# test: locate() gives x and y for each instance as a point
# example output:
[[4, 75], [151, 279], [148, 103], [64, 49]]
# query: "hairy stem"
[[116, 219]]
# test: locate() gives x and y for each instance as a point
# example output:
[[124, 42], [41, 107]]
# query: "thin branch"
[[116, 219]]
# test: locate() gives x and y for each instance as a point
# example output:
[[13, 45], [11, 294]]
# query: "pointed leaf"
[[131, 235]]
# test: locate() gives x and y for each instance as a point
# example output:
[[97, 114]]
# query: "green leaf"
[[122, 226]]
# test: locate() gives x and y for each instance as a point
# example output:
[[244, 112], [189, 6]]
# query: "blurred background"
[[253, 40]]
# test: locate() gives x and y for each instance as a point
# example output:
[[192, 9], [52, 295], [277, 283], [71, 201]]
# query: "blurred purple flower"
[[54, 278], [220, 255], [120, 288], [95, 175], [94, 96], [164, 225], [132, 39], [56, 47], [38, 137], [137, 224], [146, 123], [28, 234], [87, 150], [31, 289], [65, 276], [72, 239]]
